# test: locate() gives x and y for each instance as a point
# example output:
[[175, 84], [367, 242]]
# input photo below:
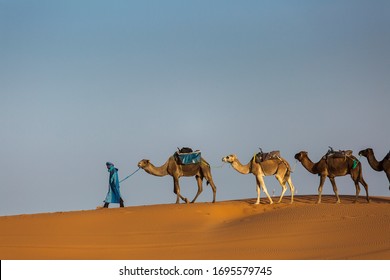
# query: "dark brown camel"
[[332, 167], [171, 167], [383, 165]]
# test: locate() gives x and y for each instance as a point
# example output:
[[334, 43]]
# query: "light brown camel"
[[332, 167], [171, 167], [278, 167], [383, 165]]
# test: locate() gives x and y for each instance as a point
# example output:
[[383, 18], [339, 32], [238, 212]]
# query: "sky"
[[85, 82]]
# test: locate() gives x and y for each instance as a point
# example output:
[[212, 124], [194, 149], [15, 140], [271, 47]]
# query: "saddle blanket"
[[261, 156], [189, 158], [337, 154]]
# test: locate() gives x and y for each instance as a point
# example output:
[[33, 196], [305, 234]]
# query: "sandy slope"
[[224, 230]]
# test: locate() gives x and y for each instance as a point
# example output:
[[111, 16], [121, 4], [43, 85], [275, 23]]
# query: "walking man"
[[114, 194]]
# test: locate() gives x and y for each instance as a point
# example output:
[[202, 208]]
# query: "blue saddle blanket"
[[189, 158]]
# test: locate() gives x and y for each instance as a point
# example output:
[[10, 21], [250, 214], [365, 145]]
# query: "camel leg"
[[388, 178], [264, 188], [200, 188], [177, 191], [322, 181], [365, 185], [292, 188], [209, 179], [213, 187], [332, 180], [258, 191], [357, 190], [283, 185]]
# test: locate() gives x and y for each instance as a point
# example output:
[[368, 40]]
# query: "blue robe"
[[114, 194]]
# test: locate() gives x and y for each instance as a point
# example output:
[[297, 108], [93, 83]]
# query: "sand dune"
[[224, 230]]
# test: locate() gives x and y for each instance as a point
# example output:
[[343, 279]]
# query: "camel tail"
[[356, 164], [288, 172], [202, 160], [359, 165], [286, 175]]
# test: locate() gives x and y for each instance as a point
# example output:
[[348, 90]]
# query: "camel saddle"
[[261, 156], [337, 154], [186, 156]]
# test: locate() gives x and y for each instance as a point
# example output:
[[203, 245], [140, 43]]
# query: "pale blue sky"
[[85, 82]]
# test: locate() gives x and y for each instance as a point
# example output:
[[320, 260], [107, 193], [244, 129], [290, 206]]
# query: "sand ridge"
[[235, 229]]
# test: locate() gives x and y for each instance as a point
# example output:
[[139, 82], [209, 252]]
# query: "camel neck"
[[243, 169], [309, 165], [376, 165], [157, 170]]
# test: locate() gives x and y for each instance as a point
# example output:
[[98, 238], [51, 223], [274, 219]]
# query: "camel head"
[[299, 156], [229, 158], [366, 152], [143, 163]]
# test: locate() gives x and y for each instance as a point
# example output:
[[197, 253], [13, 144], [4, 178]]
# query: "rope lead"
[[130, 175]]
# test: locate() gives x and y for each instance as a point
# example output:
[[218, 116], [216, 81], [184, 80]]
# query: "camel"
[[278, 167], [171, 167], [332, 167], [383, 165]]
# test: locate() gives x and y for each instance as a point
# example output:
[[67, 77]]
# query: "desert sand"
[[226, 230]]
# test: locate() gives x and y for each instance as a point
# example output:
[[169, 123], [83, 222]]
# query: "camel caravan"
[[188, 163]]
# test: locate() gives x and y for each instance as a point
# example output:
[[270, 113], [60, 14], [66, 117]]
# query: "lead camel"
[[171, 167]]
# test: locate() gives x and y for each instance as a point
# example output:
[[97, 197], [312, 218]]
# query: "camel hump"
[[262, 156], [337, 154], [388, 156], [186, 156]]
